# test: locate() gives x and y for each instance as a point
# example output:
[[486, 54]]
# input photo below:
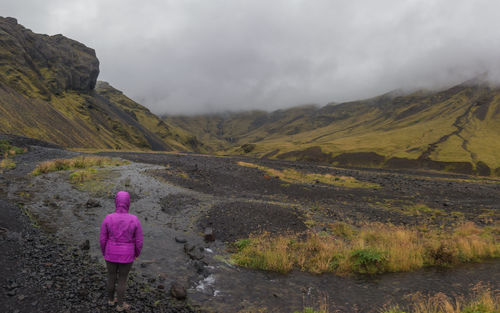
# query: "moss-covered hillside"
[[47, 92], [457, 130]]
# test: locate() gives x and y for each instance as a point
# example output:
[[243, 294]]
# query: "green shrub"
[[7, 149], [4, 145], [17, 150], [368, 260], [242, 244]]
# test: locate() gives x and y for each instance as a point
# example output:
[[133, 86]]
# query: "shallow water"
[[61, 209], [247, 289]]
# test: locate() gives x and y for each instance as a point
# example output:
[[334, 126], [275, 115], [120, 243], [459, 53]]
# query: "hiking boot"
[[123, 307]]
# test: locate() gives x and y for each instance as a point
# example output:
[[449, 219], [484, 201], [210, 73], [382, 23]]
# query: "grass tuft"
[[342, 229], [374, 248], [82, 176], [483, 300], [296, 177], [6, 152], [421, 209], [74, 163], [7, 164], [6, 149]]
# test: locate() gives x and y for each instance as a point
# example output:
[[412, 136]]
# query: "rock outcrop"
[[35, 64]]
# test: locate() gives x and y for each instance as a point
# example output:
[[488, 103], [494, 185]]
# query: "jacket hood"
[[122, 202]]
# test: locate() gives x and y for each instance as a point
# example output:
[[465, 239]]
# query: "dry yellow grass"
[[74, 163], [7, 164], [483, 300], [296, 177], [373, 248]]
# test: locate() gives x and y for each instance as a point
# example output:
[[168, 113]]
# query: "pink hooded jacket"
[[121, 233]]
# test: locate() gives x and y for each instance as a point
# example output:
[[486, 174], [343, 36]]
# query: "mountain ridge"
[[48, 92], [455, 129]]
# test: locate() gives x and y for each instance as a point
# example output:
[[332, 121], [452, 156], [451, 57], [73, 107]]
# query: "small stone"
[[180, 240], [194, 252], [91, 203], [162, 276], [178, 291], [200, 268], [83, 293], [209, 234], [21, 297], [85, 245], [188, 247]]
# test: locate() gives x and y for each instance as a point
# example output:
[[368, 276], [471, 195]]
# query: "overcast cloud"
[[210, 55]]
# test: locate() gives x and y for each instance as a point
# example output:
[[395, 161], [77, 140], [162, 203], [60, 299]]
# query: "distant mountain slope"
[[47, 91], [457, 129]]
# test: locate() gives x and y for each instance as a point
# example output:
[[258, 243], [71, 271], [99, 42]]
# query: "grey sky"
[[212, 55]]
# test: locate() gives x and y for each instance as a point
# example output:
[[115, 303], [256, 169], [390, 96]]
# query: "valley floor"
[[179, 197]]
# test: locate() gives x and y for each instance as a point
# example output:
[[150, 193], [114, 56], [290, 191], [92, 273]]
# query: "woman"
[[121, 243]]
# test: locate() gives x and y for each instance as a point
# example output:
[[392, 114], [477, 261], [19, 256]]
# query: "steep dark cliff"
[[40, 64], [47, 91]]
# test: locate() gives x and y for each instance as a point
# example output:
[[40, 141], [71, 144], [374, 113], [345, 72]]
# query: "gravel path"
[[40, 273]]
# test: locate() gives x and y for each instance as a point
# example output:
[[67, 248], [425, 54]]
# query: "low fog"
[[189, 57]]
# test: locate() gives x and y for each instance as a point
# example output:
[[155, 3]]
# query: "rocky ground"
[[451, 198], [183, 199], [41, 273]]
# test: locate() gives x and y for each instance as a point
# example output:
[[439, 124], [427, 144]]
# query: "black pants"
[[117, 271]]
